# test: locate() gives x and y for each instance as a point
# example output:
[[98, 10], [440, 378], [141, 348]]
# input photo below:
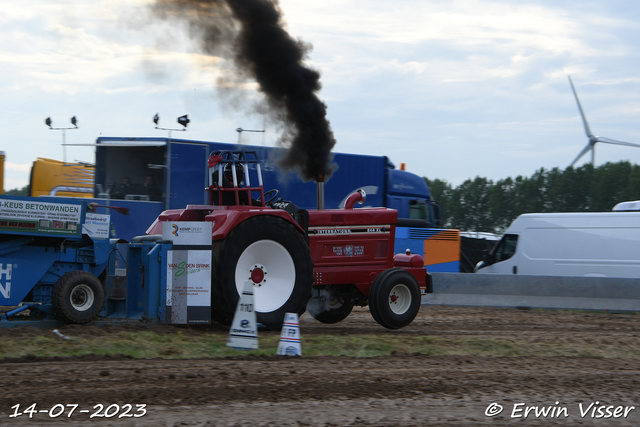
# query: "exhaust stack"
[[320, 191]]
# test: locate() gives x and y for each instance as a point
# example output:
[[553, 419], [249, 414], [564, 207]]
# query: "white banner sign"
[[31, 210], [187, 232], [188, 286], [34, 216], [96, 225]]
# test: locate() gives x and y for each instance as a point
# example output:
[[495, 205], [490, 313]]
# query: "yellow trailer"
[[55, 178]]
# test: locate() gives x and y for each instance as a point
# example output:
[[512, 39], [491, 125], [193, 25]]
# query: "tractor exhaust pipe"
[[320, 192]]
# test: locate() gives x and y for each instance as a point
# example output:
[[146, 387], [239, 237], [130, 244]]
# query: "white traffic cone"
[[290, 336], [244, 328]]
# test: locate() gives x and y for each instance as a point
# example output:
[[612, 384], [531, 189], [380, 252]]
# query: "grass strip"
[[185, 346]]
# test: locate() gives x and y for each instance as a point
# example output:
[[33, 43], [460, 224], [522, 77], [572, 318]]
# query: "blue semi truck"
[[59, 264], [150, 175]]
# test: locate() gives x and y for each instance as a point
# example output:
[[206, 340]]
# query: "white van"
[[602, 244]]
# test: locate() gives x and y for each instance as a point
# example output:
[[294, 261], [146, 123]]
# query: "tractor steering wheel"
[[272, 198]]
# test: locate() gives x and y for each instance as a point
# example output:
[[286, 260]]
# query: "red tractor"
[[326, 260]]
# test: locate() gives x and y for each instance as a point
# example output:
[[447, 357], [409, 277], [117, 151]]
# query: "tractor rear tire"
[[394, 298], [77, 297], [271, 253]]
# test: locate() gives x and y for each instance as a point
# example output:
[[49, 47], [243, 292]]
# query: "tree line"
[[481, 205], [24, 191]]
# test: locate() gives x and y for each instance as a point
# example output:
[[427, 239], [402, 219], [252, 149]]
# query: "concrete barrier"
[[498, 290]]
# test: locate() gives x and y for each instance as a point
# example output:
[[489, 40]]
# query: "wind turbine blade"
[[582, 153], [613, 141], [584, 119]]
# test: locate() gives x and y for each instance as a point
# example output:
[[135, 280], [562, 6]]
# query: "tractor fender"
[[225, 221]]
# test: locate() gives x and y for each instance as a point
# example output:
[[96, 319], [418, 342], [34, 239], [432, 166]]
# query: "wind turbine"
[[591, 145]]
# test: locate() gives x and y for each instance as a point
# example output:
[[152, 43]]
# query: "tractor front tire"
[[77, 297], [394, 298], [271, 253]]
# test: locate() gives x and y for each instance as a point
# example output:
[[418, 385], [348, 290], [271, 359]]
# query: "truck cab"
[[409, 195]]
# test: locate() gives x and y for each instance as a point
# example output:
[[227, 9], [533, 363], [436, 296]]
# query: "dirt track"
[[394, 390]]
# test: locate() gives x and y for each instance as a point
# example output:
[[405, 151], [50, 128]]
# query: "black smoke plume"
[[251, 33]]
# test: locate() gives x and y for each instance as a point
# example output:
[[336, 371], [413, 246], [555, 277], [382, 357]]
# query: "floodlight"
[[74, 122], [183, 120]]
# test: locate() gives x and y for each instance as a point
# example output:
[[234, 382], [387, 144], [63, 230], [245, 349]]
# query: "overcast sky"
[[454, 89]]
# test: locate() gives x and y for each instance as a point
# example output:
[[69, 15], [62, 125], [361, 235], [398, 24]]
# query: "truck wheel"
[[273, 255], [394, 298], [77, 297], [336, 311]]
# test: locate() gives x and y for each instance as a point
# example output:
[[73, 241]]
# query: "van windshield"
[[505, 247]]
